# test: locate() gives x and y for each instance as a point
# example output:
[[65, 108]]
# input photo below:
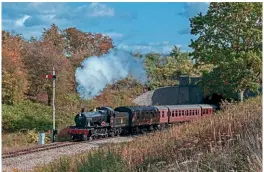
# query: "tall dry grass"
[[228, 141]]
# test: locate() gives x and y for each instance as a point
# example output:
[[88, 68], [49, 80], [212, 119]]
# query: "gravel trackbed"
[[29, 161]]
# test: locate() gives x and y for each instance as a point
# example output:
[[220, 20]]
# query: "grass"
[[228, 141], [22, 139]]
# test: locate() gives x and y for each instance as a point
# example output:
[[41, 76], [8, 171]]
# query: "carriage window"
[[182, 112], [162, 114], [176, 113], [172, 113]]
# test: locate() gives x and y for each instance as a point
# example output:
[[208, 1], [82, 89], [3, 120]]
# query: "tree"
[[39, 58], [165, 71], [230, 39], [80, 45], [55, 36], [14, 83], [76, 45]]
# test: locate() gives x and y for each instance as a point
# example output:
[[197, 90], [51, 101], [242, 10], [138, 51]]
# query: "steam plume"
[[97, 72]]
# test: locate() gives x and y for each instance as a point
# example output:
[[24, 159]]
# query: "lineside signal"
[[49, 76]]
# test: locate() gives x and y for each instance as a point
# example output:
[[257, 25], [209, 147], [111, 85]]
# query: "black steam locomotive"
[[103, 122]]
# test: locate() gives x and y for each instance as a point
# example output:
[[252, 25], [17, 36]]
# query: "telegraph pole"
[[54, 132]]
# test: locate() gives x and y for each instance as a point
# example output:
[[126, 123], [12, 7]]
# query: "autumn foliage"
[[14, 75], [25, 61]]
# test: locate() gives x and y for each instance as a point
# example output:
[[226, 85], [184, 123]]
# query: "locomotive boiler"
[[93, 119]]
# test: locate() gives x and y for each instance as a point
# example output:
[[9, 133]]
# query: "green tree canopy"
[[230, 38]]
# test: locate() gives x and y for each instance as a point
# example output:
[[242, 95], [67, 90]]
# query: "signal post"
[[53, 77]]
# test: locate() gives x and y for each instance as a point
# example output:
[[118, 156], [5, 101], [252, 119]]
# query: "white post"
[[53, 105], [42, 138]]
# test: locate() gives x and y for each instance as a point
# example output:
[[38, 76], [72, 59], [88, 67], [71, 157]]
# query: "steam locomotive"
[[105, 121]]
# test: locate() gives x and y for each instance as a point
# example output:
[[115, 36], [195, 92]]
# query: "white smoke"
[[96, 72]]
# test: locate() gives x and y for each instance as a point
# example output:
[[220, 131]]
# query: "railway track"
[[55, 145], [37, 149]]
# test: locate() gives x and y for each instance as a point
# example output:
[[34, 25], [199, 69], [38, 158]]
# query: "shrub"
[[26, 115]]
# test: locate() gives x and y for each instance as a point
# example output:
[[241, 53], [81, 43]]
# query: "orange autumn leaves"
[[14, 77], [25, 61]]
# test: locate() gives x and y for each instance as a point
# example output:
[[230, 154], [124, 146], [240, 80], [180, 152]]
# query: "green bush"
[[26, 116]]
